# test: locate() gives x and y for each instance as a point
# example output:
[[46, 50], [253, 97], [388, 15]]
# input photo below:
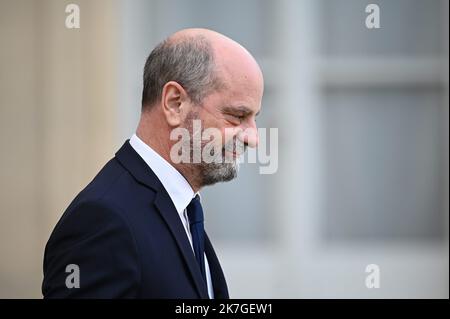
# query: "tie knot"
[[195, 211]]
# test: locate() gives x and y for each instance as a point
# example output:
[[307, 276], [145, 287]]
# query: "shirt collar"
[[176, 185]]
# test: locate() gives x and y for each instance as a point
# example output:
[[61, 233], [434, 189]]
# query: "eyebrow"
[[240, 109]]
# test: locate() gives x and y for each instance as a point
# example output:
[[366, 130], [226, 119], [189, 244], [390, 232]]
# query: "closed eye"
[[235, 114], [236, 117], [239, 118]]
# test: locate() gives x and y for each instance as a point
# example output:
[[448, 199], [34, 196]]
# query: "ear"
[[173, 102]]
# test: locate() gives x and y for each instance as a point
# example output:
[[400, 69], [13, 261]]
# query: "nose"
[[249, 136]]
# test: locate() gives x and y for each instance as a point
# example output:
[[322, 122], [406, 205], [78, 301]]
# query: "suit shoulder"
[[93, 206]]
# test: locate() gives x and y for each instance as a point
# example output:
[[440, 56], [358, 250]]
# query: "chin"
[[220, 173]]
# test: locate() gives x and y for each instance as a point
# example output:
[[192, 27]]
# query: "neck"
[[160, 144]]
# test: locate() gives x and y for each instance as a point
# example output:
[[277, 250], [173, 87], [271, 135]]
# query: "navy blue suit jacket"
[[126, 237]]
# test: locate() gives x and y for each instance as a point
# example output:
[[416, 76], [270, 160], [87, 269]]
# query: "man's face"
[[232, 111]]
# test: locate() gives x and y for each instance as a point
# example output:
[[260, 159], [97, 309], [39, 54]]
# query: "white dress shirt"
[[177, 187]]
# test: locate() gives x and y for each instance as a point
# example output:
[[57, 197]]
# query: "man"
[[136, 231]]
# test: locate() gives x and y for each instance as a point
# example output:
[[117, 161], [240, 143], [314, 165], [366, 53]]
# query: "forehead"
[[241, 91], [241, 76], [242, 79], [240, 99], [238, 69]]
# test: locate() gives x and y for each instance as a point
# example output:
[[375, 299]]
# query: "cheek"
[[211, 123], [229, 135], [219, 137]]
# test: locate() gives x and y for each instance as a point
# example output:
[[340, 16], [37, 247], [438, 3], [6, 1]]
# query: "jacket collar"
[[137, 167]]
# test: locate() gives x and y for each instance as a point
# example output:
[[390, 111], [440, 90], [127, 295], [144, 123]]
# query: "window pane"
[[384, 163], [408, 28]]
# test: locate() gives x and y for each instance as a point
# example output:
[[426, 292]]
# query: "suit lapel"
[[217, 276], [170, 215]]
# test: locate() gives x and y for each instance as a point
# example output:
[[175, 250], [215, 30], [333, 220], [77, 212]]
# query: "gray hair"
[[188, 61]]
